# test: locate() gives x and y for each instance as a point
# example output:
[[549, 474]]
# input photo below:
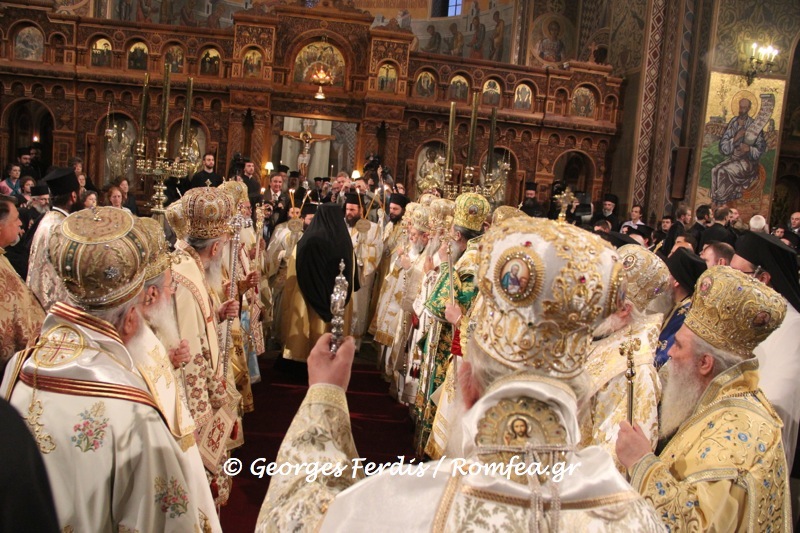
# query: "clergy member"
[[112, 462], [633, 328], [42, 279], [522, 372], [213, 402], [724, 467], [21, 315], [368, 247], [311, 274]]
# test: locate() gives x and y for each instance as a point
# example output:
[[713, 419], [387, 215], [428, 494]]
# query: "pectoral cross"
[[208, 183], [564, 199]]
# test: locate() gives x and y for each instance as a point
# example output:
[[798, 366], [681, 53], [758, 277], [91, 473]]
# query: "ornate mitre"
[[426, 199], [734, 312], [471, 211], [647, 274], [158, 258], [236, 191], [99, 257], [177, 219], [442, 211], [544, 285], [208, 212], [505, 212], [421, 219]]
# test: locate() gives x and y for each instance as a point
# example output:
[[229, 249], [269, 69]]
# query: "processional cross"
[[564, 199]]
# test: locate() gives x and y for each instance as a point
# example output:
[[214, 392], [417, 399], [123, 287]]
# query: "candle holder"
[[761, 62]]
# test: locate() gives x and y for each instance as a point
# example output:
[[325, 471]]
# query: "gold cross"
[[208, 183], [565, 199]]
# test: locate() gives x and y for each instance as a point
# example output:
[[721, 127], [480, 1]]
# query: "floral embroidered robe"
[[725, 468], [367, 247], [112, 462]]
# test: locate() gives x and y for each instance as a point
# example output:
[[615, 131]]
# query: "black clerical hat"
[[686, 267], [617, 239], [318, 179], [352, 198], [641, 229], [294, 174], [608, 197], [530, 186], [399, 199], [62, 181], [308, 209], [778, 259], [23, 150], [283, 168], [39, 190]]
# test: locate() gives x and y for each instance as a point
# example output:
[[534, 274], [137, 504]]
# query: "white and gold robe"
[[608, 387], [595, 497], [43, 280], [280, 247], [112, 462], [367, 247], [208, 391], [394, 240]]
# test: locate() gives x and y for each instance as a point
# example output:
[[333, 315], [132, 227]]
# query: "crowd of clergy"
[[650, 376]]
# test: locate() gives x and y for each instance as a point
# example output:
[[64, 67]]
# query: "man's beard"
[[417, 247], [213, 272], [529, 202], [610, 325], [682, 390], [161, 319], [395, 218], [351, 221], [607, 213], [41, 209]]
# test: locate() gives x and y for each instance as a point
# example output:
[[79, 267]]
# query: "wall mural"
[[316, 55], [29, 44], [459, 89], [551, 40], [740, 141], [627, 35], [251, 64], [101, 53], [523, 98], [583, 103], [209, 62], [387, 78], [491, 93]]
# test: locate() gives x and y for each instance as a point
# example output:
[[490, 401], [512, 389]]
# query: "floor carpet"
[[382, 428]]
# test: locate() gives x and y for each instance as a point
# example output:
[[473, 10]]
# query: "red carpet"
[[382, 430]]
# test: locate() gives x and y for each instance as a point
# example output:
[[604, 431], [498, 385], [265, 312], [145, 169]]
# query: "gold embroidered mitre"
[[544, 286], [236, 191], [471, 211], [504, 212], [426, 199], [99, 257], [177, 219], [208, 211], [734, 312], [421, 219], [158, 258], [442, 211], [647, 274]]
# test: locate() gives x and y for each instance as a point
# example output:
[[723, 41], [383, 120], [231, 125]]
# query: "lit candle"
[[755, 47], [451, 136], [187, 113], [165, 109], [331, 174], [143, 111], [473, 124]]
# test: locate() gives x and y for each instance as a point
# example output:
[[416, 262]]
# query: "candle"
[[187, 113], [755, 47], [165, 109], [473, 124], [143, 111], [331, 174], [490, 153], [450, 136]]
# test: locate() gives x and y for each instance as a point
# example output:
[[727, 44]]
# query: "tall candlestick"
[[451, 136], [143, 111], [473, 124], [331, 174], [187, 113], [490, 154], [165, 109]]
